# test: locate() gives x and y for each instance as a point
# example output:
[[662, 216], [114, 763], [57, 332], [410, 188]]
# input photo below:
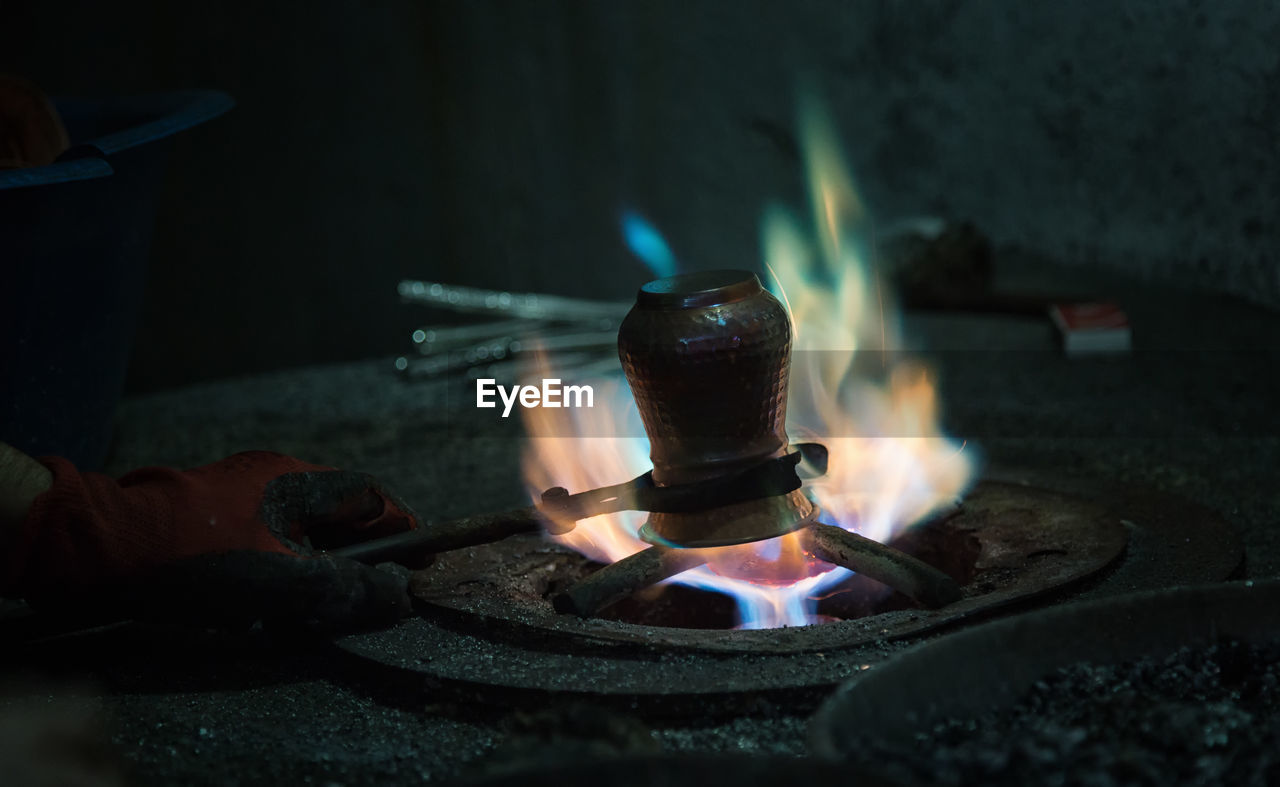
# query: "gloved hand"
[[219, 544]]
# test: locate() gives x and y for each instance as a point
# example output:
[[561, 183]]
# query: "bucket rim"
[[173, 111]]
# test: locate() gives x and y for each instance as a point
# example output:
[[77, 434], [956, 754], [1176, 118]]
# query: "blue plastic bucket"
[[74, 239]]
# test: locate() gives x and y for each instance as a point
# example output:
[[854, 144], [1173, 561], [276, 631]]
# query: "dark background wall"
[[494, 143]]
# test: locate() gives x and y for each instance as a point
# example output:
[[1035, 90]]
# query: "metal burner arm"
[[913, 578]]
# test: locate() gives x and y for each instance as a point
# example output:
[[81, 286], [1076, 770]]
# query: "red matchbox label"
[[1091, 327]]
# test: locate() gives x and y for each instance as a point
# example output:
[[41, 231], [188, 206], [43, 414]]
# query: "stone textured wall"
[[495, 143], [1143, 135]]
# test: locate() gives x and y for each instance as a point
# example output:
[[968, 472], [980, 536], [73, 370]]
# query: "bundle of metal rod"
[[580, 365], [606, 315], [618, 580], [430, 339], [525, 323], [507, 347]]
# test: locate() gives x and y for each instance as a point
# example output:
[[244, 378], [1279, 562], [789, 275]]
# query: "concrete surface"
[[1191, 413]]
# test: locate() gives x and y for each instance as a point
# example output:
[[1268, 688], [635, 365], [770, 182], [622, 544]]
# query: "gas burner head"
[[706, 355]]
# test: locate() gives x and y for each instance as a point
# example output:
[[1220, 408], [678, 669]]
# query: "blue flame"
[[647, 243]]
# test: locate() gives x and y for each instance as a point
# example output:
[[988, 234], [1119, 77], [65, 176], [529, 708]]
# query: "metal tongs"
[[559, 511]]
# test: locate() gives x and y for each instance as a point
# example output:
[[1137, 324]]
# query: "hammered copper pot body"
[[706, 355]]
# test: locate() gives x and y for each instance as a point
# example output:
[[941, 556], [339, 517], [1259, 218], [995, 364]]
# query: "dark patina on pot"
[[707, 355]]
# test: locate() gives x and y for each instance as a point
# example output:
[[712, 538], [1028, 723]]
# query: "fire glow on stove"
[[889, 466]]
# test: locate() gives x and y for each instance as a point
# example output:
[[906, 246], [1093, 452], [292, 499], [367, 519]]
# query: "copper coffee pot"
[[707, 355]]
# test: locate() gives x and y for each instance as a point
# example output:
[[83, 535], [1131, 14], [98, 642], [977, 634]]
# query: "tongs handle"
[[444, 536]]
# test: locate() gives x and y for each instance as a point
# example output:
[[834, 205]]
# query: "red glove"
[[221, 543]]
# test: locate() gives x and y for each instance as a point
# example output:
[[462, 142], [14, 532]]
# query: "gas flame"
[[889, 465], [647, 244]]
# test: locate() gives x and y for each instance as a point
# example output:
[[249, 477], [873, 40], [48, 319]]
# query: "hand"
[[221, 544], [31, 132]]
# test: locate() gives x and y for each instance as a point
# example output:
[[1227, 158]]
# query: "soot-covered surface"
[[1202, 716], [197, 708]]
